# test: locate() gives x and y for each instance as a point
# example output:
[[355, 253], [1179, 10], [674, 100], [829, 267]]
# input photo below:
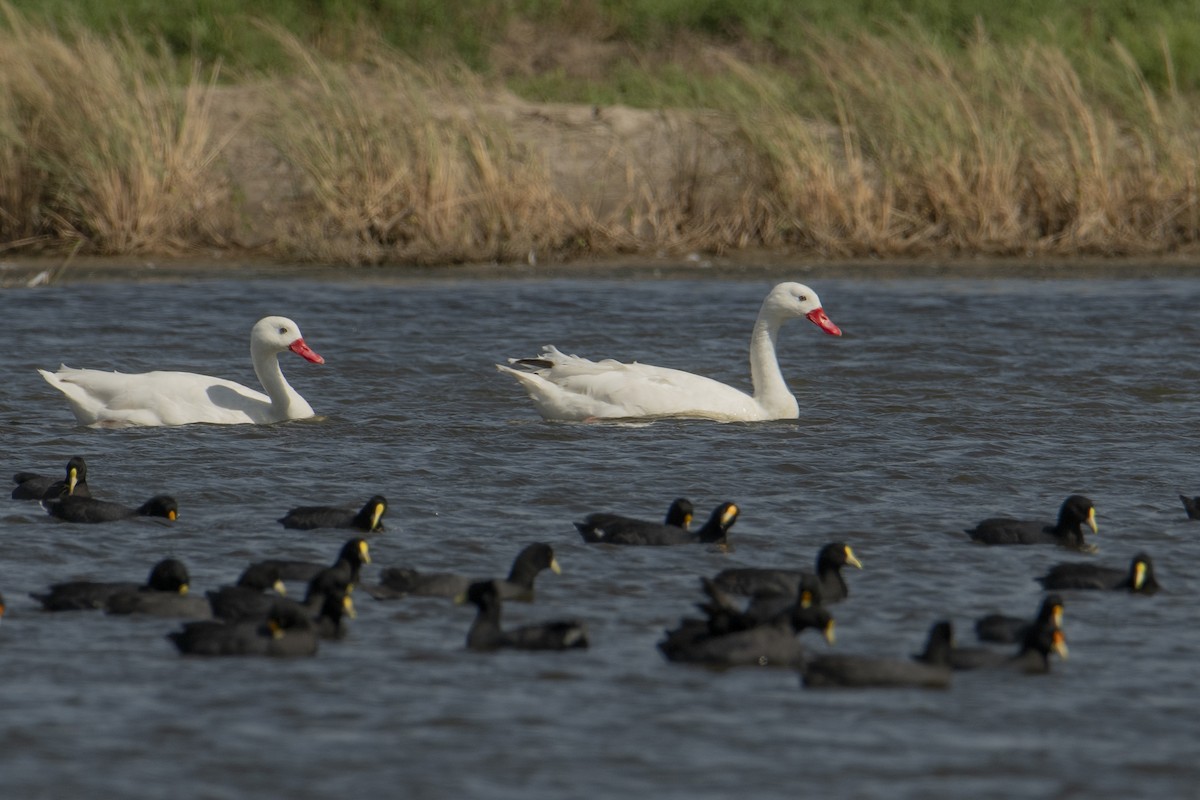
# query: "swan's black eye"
[[283, 330], [801, 297]]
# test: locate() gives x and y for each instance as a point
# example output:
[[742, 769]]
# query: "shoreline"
[[36, 271], [850, 151]]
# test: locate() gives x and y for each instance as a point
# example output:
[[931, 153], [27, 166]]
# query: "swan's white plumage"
[[571, 388], [179, 398]]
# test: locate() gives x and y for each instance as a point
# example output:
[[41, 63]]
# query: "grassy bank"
[[655, 34], [335, 137]]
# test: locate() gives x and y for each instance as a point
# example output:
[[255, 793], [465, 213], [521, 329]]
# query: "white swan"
[[570, 388], [179, 398]]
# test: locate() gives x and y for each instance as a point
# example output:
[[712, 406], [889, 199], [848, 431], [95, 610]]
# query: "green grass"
[[1162, 37], [224, 30], [854, 131]]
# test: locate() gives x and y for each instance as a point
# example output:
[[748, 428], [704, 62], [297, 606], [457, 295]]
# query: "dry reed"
[[96, 146], [405, 164], [998, 151], [894, 146]]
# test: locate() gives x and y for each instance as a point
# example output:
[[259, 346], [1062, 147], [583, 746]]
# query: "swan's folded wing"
[[643, 390], [150, 398], [576, 388]]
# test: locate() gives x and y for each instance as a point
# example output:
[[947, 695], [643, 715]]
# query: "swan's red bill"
[[819, 318], [304, 351]]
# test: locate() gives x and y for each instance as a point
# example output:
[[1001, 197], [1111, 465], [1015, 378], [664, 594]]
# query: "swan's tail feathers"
[[55, 379], [550, 357], [59, 376], [531, 363], [81, 403]]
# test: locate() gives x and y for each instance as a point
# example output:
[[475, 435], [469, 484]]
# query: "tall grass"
[[96, 148], [890, 145], [471, 30], [406, 164], [1006, 151]]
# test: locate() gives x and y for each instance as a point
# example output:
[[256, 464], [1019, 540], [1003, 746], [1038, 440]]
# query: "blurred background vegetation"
[[649, 51], [380, 131]]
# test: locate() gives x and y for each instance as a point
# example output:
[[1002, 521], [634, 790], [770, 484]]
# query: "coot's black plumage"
[[168, 576], [349, 562], [159, 604], [1075, 512], [679, 513], [773, 645], [1007, 629], [857, 671], [286, 632], [595, 527], [650, 533], [335, 607], [724, 616], [326, 601], [486, 634], [347, 569], [248, 597], [763, 582], [369, 519], [403, 581], [74, 508], [1138, 578], [31, 486], [1190, 504], [1040, 639], [744, 642]]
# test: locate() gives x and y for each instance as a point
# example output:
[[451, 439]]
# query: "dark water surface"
[[945, 402]]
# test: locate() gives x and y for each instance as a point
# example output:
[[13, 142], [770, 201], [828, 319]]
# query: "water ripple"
[[946, 401]]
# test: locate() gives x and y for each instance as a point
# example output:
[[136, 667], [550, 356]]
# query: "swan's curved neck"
[[770, 389], [285, 402]]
